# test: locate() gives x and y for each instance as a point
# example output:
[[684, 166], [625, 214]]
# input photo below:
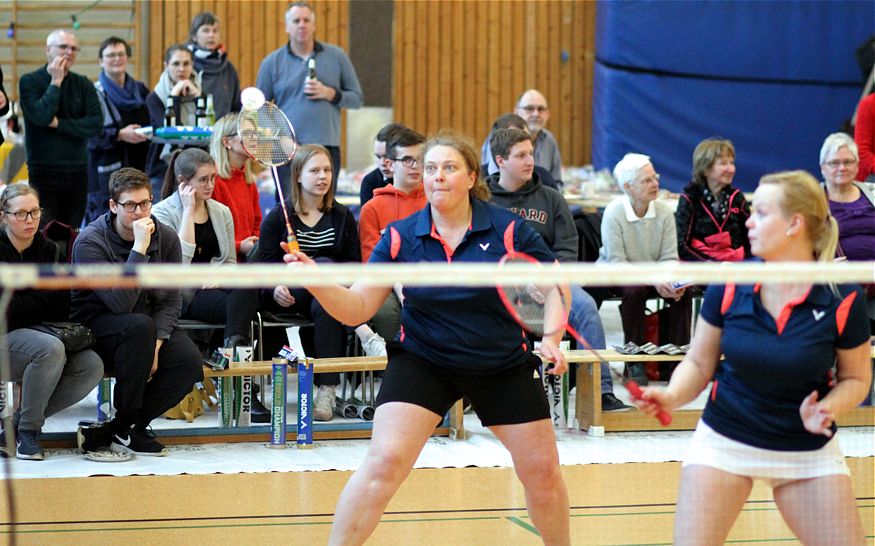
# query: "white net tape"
[[429, 274]]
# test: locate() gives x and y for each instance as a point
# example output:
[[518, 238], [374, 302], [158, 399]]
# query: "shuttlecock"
[[251, 98]]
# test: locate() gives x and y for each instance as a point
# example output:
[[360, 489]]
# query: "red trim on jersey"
[[401, 336], [728, 296], [843, 310], [714, 390], [508, 237], [788, 309], [395, 245], [437, 236]]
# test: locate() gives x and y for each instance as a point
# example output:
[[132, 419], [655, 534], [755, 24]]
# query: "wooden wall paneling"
[[249, 57], [444, 116], [494, 76], [259, 25]]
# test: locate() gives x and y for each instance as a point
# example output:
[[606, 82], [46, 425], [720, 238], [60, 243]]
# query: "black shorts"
[[501, 398]]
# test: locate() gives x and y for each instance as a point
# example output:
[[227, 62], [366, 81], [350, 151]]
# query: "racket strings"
[[267, 135]]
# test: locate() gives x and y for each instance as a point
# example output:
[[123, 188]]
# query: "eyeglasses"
[[131, 206], [21, 215], [530, 109], [654, 178], [65, 47], [116, 55], [407, 161], [835, 163]]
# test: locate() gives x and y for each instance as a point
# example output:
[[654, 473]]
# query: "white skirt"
[[710, 448]]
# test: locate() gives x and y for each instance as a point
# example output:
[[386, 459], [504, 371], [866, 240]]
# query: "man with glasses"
[[381, 176], [154, 363], [532, 107], [61, 112], [119, 144]]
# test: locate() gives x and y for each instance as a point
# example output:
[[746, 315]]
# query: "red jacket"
[[388, 205], [864, 136], [242, 199]]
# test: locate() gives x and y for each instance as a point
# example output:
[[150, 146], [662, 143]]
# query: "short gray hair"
[[53, 35], [627, 169], [300, 5], [836, 142]]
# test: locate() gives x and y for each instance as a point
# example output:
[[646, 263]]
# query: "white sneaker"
[[375, 345], [323, 409]]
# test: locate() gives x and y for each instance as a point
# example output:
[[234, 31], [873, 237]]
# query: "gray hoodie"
[[100, 243], [546, 212]]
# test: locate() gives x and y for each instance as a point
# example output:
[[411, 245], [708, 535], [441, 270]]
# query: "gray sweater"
[[169, 213], [649, 239]]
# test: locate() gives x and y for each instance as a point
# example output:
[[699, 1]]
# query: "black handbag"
[[75, 336]]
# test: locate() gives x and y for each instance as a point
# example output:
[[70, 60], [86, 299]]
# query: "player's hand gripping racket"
[[268, 137], [531, 305]]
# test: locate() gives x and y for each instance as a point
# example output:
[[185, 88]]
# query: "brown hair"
[[503, 140], [466, 148], [127, 179], [184, 163], [16, 190], [706, 153], [304, 154], [802, 195]]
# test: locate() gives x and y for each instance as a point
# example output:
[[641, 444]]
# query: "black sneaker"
[[27, 445], [137, 442], [612, 403], [93, 438], [3, 443]]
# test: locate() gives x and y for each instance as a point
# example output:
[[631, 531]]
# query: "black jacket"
[[30, 307], [694, 221]]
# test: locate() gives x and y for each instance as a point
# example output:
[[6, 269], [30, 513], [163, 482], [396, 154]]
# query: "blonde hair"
[[304, 154], [466, 148], [802, 195], [227, 127], [14, 190]]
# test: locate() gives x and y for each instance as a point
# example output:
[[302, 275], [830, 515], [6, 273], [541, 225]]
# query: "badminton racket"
[[268, 137], [528, 304]]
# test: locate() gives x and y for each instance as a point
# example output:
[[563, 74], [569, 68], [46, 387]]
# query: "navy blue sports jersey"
[[466, 329], [771, 365]]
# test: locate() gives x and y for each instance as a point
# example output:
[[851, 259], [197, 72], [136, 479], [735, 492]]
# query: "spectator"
[[864, 136], [155, 364], [61, 112], [381, 176], [326, 231], [183, 84], [51, 379], [398, 200], [711, 213], [512, 121], [517, 187], [235, 185], [532, 106], [218, 76], [206, 235], [123, 102], [638, 228], [311, 104], [851, 203]]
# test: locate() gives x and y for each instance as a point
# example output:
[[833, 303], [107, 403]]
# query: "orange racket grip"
[[638, 394]]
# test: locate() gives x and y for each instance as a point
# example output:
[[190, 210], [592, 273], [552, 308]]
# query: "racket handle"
[[293, 244], [638, 394]]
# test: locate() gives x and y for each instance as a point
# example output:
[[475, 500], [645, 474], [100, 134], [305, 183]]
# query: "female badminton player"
[[774, 399], [456, 342]]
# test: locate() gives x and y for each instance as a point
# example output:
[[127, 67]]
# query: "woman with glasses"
[[235, 185], [123, 101], [51, 379], [711, 212], [206, 233], [638, 228], [326, 232], [852, 204]]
